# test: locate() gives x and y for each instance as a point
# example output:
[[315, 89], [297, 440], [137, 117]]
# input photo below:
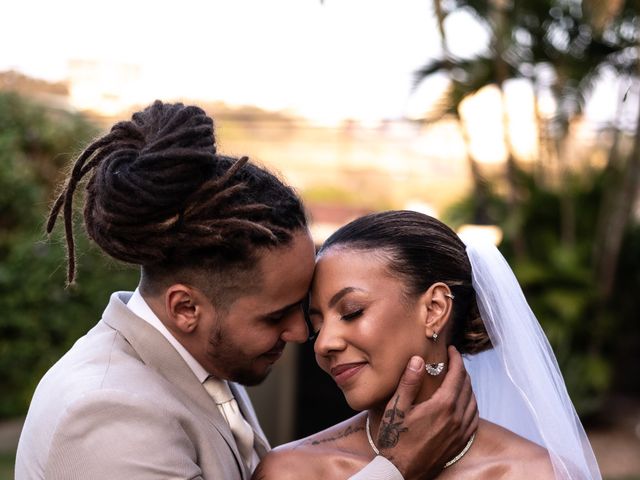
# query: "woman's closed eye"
[[314, 322], [352, 315]]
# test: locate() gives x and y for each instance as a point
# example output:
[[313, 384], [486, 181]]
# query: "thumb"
[[408, 388]]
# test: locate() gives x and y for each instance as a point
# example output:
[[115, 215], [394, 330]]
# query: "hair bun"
[[169, 126], [158, 193], [153, 163]]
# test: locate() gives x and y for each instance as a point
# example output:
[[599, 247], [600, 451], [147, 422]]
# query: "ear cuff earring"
[[451, 296]]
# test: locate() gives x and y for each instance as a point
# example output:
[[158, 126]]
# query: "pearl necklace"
[[446, 465]]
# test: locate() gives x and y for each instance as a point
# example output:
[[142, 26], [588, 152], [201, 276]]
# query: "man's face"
[[244, 342]]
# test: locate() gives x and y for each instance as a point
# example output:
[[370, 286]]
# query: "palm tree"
[[480, 215], [578, 41]]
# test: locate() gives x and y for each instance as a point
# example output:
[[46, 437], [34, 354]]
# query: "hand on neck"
[[429, 386]]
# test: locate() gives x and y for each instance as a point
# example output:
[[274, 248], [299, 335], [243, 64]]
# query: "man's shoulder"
[[99, 353], [101, 367]]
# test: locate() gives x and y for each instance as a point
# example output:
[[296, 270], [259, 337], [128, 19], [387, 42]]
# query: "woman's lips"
[[344, 372]]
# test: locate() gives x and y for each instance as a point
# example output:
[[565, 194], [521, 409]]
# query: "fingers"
[[466, 408], [471, 417], [473, 425], [392, 424], [409, 385], [464, 397]]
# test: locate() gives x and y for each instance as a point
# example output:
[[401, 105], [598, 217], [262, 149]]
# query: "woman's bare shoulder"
[[285, 464], [315, 456], [519, 456]]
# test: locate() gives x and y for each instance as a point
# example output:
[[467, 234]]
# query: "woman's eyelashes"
[[314, 322], [350, 310], [352, 314], [347, 313]]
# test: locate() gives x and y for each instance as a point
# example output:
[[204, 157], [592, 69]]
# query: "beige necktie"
[[240, 428]]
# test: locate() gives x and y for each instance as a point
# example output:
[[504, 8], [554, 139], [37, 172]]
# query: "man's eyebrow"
[[287, 308]]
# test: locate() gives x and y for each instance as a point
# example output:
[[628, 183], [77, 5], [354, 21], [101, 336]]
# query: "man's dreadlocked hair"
[[159, 196]]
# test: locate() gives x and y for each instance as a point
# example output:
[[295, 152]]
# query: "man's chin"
[[251, 378]]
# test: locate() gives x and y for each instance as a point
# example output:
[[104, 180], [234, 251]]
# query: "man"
[[154, 389]]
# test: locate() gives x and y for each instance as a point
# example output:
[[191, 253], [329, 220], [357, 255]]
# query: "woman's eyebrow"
[[336, 298]]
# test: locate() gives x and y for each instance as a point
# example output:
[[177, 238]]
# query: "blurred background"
[[512, 119]]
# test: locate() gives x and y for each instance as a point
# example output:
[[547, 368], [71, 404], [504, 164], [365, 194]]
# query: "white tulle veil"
[[517, 383]]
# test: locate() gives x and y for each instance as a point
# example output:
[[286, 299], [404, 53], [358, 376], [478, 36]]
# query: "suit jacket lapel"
[[155, 351]]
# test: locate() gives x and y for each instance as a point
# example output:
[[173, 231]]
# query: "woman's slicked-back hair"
[[160, 196], [421, 251]]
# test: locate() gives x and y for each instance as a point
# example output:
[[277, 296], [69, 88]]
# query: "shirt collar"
[[140, 307]]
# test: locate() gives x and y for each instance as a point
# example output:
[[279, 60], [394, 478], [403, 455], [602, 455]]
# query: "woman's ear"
[[184, 306], [438, 305]]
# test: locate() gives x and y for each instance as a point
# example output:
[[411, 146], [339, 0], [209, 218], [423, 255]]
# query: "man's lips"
[[278, 347], [275, 352], [345, 371]]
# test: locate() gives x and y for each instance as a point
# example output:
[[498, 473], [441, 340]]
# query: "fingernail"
[[415, 364]]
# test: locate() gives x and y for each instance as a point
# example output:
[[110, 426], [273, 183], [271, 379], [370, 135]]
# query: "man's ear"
[[184, 306], [437, 304]]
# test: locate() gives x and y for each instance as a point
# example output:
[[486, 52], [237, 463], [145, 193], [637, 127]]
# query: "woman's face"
[[367, 329]]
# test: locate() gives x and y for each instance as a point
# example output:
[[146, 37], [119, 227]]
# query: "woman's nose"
[[329, 339]]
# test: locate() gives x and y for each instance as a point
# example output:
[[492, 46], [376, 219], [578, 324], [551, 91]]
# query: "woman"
[[396, 284]]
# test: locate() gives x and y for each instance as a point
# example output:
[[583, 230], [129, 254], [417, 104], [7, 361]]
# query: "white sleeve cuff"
[[378, 469]]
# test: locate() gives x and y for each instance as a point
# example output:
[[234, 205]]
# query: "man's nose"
[[296, 328]]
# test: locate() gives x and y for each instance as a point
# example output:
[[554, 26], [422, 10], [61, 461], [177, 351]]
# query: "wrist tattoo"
[[391, 427]]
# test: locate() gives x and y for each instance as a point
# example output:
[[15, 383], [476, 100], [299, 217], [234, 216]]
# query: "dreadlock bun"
[[159, 193]]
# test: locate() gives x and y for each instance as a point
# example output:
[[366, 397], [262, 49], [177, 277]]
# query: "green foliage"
[[577, 41], [41, 318], [7, 460], [558, 280]]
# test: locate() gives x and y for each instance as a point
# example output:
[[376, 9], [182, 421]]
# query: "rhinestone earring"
[[434, 337], [434, 369]]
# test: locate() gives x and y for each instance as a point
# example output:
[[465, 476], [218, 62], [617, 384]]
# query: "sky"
[[328, 61]]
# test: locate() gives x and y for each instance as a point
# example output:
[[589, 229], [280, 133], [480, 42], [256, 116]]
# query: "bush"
[[40, 317]]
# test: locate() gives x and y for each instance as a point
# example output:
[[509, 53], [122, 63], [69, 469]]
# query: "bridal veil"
[[517, 383]]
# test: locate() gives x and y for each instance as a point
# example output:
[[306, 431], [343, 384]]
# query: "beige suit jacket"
[[123, 404]]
